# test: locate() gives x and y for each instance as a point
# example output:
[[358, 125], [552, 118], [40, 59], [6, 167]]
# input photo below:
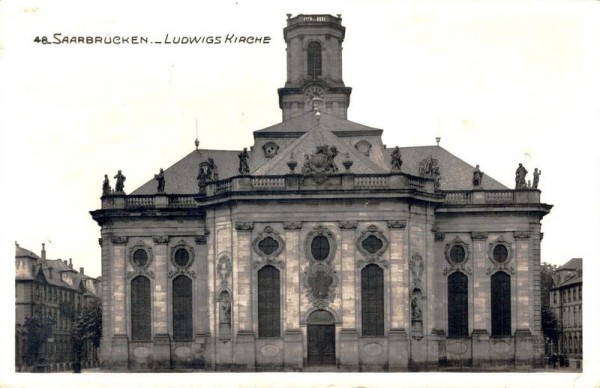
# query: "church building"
[[318, 248]]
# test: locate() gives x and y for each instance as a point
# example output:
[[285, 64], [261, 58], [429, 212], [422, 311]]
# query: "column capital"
[[244, 226]]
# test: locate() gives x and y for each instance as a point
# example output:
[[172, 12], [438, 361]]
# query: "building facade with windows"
[[320, 248], [566, 299], [49, 295]]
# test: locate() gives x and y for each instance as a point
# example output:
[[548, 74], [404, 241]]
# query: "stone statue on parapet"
[[160, 179], [212, 172], [477, 177], [396, 162], [536, 178], [106, 186], [430, 168], [520, 174], [201, 179], [120, 185], [244, 167]]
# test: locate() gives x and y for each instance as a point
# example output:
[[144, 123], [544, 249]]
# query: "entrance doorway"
[[321, 339]]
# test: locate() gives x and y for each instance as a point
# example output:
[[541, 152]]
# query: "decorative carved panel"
[[292, 225], [320, 282], [416, 266], [224, 267], [479, 235], [118, 240], [244, 226], [396, 224], [161, 239], [348, 225]]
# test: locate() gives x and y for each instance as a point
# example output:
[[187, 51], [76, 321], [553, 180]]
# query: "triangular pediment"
[[306, 146]]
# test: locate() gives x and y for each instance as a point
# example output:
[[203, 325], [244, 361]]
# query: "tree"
[[550, 325], [87, 328], [38, 331]]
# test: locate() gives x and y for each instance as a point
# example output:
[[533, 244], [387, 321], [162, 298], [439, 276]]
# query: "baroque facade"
[[319, 248], [566, 300], [49, 294]]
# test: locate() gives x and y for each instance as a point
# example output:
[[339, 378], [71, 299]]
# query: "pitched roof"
[[456, 174], [304, 122], [22, 252], [180, 178], [307, 144], [572, 265]]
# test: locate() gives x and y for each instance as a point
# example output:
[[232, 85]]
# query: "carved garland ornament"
[[372, 244], [500, 255], [416, 266], [457, 254], [268, 245]]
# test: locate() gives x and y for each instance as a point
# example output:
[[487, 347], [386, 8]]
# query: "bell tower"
[[314, 66]]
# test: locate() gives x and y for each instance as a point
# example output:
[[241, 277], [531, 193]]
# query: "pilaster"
[[244, 352]]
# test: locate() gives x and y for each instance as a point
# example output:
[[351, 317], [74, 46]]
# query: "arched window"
[[268, 302], [500, 304], [183, 322], [314, 59], [458, 307], [371, 286], [140, 309]]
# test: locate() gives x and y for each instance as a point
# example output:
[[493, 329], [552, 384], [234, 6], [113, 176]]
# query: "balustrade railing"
[[268, 183], [371, 182], [349, 182]]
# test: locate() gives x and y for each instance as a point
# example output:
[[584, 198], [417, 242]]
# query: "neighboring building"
[[320, 248], [566, 299], [49, 293]]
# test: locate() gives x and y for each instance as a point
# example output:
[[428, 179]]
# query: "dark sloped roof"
[[572, 265], [305, 121], [22, 252], [456, 174], [181, 178]]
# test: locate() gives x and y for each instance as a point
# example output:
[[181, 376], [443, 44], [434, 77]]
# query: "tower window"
[[314, 59]]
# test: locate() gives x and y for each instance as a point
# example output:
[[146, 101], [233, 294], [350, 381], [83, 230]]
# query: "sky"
[[501, 83]]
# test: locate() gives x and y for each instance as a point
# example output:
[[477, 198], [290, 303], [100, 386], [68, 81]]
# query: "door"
[[321, 339]]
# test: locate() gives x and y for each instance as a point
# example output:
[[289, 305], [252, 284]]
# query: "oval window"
[[500, 253], [140, 258], [320, 247], [182, 257], [457, 254]]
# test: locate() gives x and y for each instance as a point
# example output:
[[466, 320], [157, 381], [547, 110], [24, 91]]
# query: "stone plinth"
[[161, 352], [244, 357], [349, 352], [398, 350]]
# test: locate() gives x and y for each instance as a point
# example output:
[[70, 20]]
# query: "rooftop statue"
[[106, 186], [120, 185], [520, 181], [536, 178], [160, 179], [244, 167], [477, 177], [396, 162]]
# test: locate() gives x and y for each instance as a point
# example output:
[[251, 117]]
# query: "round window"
[[268, 245], [372, 244], [320, 247], [500, 253], [140, 258], [182, 257], [457, 254]]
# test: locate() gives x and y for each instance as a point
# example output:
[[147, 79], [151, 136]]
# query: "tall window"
[[268, 302], [183, 323], [314, 59], [371, 286], [501, 304], [140, 309], [458, 308]]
